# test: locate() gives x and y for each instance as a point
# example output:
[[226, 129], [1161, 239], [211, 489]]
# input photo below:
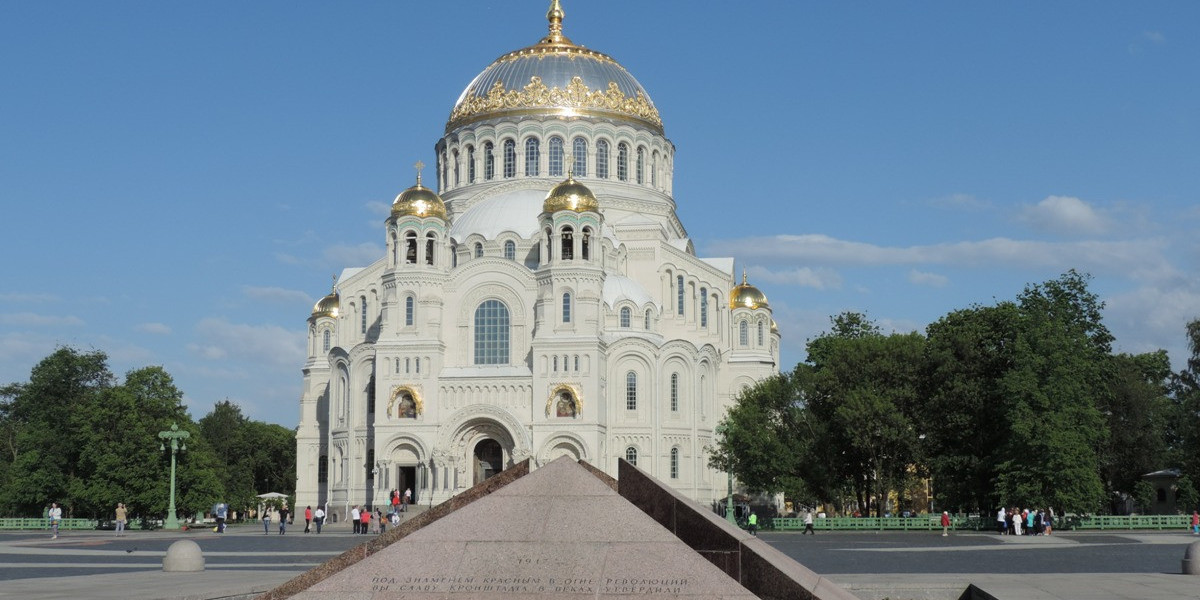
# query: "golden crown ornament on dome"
[[418, 200]]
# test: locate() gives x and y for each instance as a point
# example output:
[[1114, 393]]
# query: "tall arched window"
[[674, 463], [491, 333], [489, 161], [566, 308], [445, 181], [760, 334], [744, 333], [631, 391], [631, 455], [454, 157], [602, 159], [532, 152], [556, 156], [579, 150], [410, 308], [470, 164], [325, 342], [478, 250], [510, 250], [622, 162], [510, 158], [654, 169], [679, 295], [640, 172], [674, 392], [646, 321], [362, 300], [429, 239], [626, 314], [704, 307], [568, 244], [410, 248], [585, 243]]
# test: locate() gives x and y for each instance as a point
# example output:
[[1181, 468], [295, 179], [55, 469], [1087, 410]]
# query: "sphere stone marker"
[[183, 556]]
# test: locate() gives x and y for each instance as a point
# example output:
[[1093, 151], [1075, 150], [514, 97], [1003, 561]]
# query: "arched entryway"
[[489, 459]]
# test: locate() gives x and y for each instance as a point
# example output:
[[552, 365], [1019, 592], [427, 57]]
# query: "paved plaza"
[[897, 565]]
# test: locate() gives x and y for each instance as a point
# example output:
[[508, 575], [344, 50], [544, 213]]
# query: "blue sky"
[[180, 180]]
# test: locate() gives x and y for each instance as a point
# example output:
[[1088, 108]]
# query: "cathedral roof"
[[619, 287], [419, 201], [516, 211], [746, 295], [570, 195], [328, 306], [555, 77]]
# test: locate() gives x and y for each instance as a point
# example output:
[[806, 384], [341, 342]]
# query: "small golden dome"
[[570, 195], [747, 296], [774, 326], [328, 306], [419, 201]]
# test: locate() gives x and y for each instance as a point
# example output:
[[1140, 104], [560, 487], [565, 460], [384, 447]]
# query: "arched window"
[[579, 168], [674, 463], [410, 248], [641, 166], [555, 368], [622, 162], [744, 333], [489, 161], [566, 308], [491, 333], [568, 243], [654, 169], [510, 250], [679, 295], [454, 156], [631, 391], [760, 334], [532, 152], [556, 156], [625, 317], [576, 362], [444, 170], [470, 164], [631, 455], [410, 308], [362, 302], [510, 158], [646, 321], [549, 245], [602, 159], [704, 307], [325, 342], [478, 250], [429, 239], [585, 243], [674, 392]]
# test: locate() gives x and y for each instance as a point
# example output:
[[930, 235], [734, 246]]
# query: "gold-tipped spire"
[[555, 16], [418, 166]]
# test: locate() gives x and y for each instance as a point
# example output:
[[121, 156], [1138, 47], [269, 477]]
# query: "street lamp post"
[[721, 430], [178, 444]]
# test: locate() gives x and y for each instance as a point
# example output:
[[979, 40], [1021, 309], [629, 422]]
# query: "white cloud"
[[1065, 215], [262, 344], [820, 279], [155, 328], [930, 279], [276, 294], [1152, 317], [36, 320], [376, 207]]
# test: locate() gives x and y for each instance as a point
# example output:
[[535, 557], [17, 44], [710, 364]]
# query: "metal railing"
[[43, 523], [961, 522]]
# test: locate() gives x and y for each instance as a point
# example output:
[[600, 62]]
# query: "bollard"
[[1191, 559], [183, 556]]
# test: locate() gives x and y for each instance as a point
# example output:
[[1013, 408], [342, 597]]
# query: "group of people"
[[1015, 521], [279, 515]]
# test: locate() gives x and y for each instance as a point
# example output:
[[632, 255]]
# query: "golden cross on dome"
[[570, 160], [334, 286], [418, 166]]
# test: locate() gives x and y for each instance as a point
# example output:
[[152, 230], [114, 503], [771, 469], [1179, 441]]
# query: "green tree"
[[1137, 410], [225, 429]]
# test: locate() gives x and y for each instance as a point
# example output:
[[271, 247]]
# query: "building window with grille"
[[470, 164], [631, 455], [510, 250], [510, 159], [646, 320], [566, 308], [674, 392], [579, 168], [704, 307], [489, 161], [362, 300], [454, 157], [556, 157], [679, 295], [626, 316], [760, 334], [532, 152], [478, 250], [491, 333], [744, 333], [654, 169], [602, 159], [622, 162], [325, 343], [631, 391], [641, 165], [409, 310], [674, 463]]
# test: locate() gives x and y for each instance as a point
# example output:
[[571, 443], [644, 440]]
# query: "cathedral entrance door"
[[489, 459], [408, 481]]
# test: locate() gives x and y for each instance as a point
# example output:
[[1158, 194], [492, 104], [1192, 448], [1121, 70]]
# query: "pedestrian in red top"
[[307, 519], [945, 523], [366, 520], [1195, 522]]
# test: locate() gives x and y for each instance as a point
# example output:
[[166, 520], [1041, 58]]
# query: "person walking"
[[945, 523], [1048, 521], [808, 523], [753, 522], [1001, 521], [1195, 522], [283, 517], [266, 521], [55, 515], [307, 518], [319, 517], [407, 499], [366, 520], [354, 518], [121, 518]]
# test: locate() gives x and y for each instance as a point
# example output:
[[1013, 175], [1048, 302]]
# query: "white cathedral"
[[545, 301]]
